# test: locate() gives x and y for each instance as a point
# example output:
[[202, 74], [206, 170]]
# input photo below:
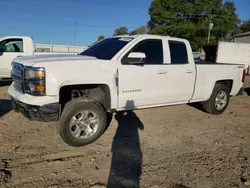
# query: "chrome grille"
[[17, 75]]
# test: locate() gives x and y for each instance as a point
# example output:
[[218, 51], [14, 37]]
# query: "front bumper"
[[47, 113]]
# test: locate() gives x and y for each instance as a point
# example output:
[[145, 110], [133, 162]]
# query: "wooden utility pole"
[[210, 27], [75, 37]]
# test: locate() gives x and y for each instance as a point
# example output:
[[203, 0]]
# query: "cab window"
[[178, 52], [11, 45], [153, 50]]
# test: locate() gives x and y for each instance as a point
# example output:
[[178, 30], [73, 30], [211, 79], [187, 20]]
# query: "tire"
[[70, 110], [210, 105], [109, 119]]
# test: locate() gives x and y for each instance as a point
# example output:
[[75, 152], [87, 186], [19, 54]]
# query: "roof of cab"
[[148, 35], [15, 37]]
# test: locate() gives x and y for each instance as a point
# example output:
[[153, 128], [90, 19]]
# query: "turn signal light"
[[244, 75], [40, 88], [39, 74]]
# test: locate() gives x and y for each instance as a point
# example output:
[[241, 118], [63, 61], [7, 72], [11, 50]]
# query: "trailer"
[[230, 52]]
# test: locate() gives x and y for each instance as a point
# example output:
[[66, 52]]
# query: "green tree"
[[101, 37], [121, 31], [141, 30], [245, 26], [190, 19]]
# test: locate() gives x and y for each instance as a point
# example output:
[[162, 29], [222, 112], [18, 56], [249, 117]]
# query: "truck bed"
[[208, 73], [204, 62]]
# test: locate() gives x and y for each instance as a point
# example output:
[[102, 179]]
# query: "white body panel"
[[66, 69], [158, 84], [208, 75], [233, 53], [5, 63], [28, 99], [7, 57], [139, 86], [138, 89]]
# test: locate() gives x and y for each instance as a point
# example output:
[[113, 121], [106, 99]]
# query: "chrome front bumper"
[[47, 113]]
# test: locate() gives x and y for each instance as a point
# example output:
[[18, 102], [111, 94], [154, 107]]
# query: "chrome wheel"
[[84, 124], [221, 100]]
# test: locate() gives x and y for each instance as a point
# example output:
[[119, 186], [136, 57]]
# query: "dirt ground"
[[170, 147]]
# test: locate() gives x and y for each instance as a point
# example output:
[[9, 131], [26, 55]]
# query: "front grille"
[[17, 75]]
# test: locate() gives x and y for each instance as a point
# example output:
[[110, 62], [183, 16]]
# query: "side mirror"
[[136, 57]]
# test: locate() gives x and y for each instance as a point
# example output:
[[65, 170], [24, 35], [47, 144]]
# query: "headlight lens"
[[35, 81], [30, 73], [30, 87]]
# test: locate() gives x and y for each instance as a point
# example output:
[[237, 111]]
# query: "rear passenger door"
[[181, 72]]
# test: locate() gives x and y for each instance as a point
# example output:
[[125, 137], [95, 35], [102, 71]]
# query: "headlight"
[[35, 73], [35, 81]]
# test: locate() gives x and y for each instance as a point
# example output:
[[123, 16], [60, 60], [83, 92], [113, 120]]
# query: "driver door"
[[9, 50], [141, 84]]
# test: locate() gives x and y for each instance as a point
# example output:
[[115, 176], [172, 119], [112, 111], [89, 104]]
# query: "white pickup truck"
[[116, 74], [12, 47]]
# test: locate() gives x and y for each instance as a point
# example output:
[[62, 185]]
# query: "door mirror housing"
[[136, 57]]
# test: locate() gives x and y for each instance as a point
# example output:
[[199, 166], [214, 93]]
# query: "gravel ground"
[[169, 147]]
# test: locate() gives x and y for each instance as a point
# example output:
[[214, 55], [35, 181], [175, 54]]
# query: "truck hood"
[[50, 58]]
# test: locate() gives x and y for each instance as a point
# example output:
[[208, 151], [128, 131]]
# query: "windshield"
[[107, 48]]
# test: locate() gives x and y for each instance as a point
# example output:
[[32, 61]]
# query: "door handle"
[[162, 72], [189, 71]]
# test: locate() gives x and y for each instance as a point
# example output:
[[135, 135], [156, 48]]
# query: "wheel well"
[[227, 83], [97, 92]]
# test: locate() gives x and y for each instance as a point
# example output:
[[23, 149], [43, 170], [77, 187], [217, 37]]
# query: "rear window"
[[178, 52]]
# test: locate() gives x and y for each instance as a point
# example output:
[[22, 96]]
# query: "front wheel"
[[82, 122], [218, 101]]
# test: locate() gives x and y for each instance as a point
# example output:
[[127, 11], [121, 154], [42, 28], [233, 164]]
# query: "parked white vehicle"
[[117, 74], [12, 47], [227, 52]]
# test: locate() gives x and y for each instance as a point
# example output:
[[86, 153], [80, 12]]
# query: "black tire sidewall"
[[218, 89], [70, 110]]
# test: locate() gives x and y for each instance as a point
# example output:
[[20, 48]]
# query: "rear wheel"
[[109, 119], [82, 122], [218, 101]]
